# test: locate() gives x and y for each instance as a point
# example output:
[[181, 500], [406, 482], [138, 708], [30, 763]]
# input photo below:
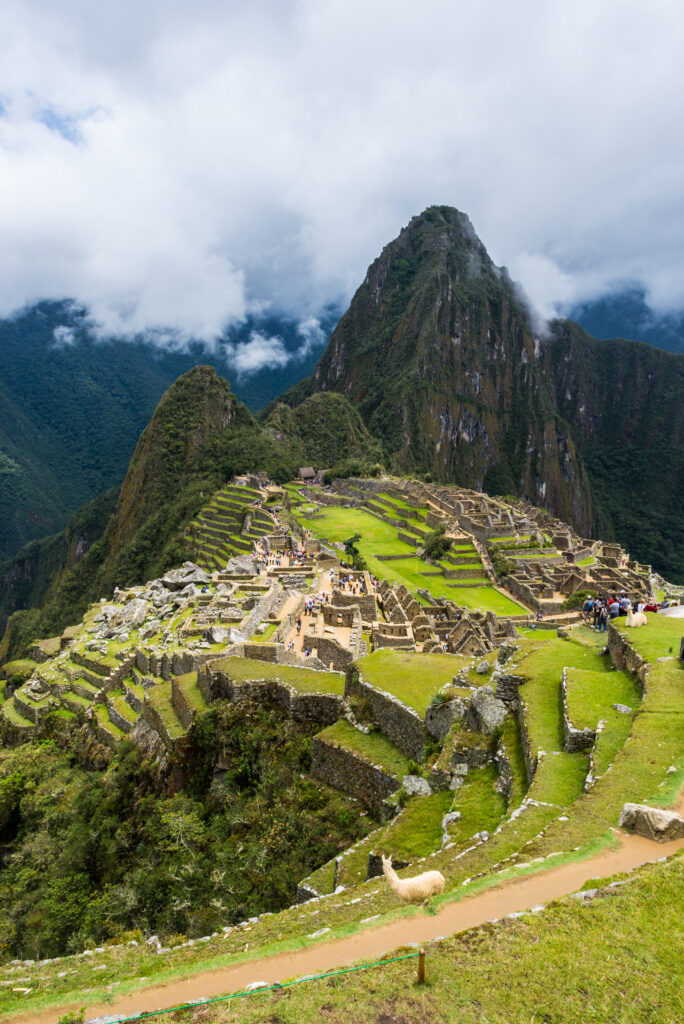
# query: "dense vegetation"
[[26, 578], [72, 408], [89, 855], [326, 429]]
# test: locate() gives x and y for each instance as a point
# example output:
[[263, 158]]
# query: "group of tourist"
[[599, 611], [352, 585]]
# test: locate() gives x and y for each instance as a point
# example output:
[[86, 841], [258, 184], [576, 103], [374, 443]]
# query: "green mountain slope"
[[325, 429], [72, 408]]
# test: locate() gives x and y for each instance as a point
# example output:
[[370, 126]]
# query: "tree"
[[436, 544], [351, 550]]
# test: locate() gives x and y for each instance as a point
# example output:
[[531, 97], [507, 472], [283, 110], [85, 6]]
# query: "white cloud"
[[259, 351], [177, 166], [63, 337]]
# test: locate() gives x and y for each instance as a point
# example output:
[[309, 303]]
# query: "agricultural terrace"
[[379, 538], [411, 677]]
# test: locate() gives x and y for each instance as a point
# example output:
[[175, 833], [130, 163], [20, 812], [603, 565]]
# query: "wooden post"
[[421, 967]]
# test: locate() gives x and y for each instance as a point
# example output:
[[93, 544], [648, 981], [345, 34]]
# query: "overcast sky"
[[173, 164]]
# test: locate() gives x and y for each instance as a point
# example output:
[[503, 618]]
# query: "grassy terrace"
[[659, 639], [417, 831], [379, 538], [590, 696], [191, 691], [481, 807], [541, 693], [159, 697], [371, 747], [243, 670], [412, 678]]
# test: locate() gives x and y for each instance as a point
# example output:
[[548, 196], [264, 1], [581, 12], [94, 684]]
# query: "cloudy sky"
[[175, 165]]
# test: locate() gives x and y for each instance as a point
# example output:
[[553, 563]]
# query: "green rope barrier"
[[269, 988]]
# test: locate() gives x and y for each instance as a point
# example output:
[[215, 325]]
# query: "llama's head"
[[386, 861]]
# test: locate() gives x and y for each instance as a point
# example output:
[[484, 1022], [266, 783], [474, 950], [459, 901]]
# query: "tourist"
[[664, 603], [603, 618], [299, 626], [587, 608]]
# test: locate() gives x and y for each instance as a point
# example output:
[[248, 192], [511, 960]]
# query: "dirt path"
[[374, 943]]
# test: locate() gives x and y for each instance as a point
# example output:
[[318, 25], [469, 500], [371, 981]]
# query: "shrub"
[[436, 544], [575, 601]]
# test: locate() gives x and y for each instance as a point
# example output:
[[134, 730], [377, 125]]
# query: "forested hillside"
[[72, 407]]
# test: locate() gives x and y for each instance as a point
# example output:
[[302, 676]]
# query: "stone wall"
[[156, 722], [184, 711], [623, 655], [504, 783], [366, 603], [117, 719], [350, 774], [329, 651], [574, 740], [506, 686], [408, 538], [320, 708], [530, 759], [399, 723]]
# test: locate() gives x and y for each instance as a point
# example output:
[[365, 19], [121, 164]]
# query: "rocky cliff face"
[[437, 351]]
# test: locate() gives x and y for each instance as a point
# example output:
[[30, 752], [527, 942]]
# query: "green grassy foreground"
[[616, 958]]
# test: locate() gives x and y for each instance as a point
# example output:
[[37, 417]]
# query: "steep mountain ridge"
[[439, 354], [437, 351]]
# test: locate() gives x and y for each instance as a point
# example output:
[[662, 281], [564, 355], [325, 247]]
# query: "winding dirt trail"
[[374, 943]]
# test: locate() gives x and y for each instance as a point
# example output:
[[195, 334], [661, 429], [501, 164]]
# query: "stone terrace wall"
[[574, 740], [349, 773], [399, 723], [320, 708], [530, 760], [624, 656]]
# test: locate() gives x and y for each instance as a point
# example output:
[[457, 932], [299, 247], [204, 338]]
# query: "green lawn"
[[379, 538], [590, 696], [542, 693], [373, 747], [481, 807], [418, 829], [484, 599], [243, 670], [559, 778], [413, 678]]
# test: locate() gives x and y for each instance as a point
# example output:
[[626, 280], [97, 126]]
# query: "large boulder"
[[243, 565], [135, 613], [486, 712], [416, 785], [177, 579], [439, 718], [652, 822]]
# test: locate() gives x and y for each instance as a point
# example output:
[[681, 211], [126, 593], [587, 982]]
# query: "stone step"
[[76, 703]]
